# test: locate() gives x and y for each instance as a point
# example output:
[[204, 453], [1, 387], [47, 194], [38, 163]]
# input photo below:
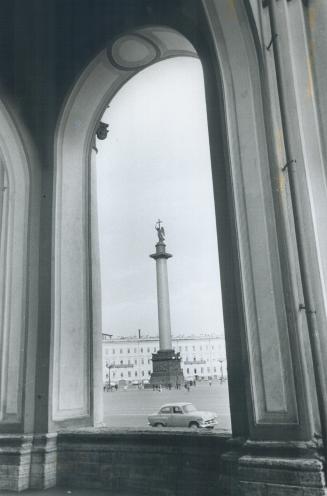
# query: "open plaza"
[[130, 407]]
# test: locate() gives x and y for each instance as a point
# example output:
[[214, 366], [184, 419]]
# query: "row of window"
[[143, 373], [129, 362], [194, 348], [142, 361], [196, 371], [121, 350], [115, 375]]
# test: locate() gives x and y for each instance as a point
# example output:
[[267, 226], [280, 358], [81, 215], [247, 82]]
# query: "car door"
[[164, 416], [177, 417]]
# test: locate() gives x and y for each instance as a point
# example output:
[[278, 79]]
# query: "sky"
[[155, 163]]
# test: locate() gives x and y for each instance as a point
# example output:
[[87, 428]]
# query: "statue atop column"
[[160, 231]]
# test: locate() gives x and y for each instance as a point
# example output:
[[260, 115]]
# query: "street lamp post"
[[221, 371], [109, 367]]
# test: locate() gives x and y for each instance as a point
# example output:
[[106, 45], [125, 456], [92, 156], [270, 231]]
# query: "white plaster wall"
[[299, 69], [271, 386]]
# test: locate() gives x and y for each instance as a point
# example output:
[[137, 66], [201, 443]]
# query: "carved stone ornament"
[[102, 130]]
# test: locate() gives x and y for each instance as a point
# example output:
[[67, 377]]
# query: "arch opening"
[[260, 369], [126, 56], [156, 159]]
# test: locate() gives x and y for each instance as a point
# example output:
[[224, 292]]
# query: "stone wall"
[[160, 462]]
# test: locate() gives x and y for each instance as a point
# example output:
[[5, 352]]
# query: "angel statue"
[[160, 230]]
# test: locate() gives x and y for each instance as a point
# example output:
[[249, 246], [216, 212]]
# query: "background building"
[[130, 358]]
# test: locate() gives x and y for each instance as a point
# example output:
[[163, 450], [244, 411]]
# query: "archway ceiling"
[[143, 47]]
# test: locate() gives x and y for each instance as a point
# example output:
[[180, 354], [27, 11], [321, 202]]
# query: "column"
[[166, 363], [163, 296]]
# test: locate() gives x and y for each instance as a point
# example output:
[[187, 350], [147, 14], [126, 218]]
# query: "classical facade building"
[[265, 71], [130, 359]]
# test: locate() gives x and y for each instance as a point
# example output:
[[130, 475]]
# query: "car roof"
[[181, 403]]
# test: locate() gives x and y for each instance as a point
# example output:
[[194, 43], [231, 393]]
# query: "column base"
[[280, 470], [27, 461], [15, 461], [44, 461], [167, 369]]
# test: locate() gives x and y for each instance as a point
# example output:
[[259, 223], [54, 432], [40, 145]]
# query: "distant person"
[[159, 388], [210, 382]]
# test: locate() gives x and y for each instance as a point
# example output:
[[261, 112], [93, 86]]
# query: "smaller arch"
[[15, 267]]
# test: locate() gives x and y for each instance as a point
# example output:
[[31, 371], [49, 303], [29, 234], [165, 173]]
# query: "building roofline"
[[156, 338]]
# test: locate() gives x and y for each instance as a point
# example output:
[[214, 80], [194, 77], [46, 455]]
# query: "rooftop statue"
[[160, 231]]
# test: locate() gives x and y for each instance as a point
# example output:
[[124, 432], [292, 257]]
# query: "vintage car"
[[182, 415]]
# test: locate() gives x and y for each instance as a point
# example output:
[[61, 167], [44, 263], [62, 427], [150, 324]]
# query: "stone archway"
[[242, 176]]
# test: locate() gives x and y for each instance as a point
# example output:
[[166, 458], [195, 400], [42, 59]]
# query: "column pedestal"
[[167, 369], [28, 461], [272, 468]]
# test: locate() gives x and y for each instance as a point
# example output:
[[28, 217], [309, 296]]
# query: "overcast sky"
[[156, 163]]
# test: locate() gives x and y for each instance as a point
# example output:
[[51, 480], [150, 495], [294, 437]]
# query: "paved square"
[[131, 407]]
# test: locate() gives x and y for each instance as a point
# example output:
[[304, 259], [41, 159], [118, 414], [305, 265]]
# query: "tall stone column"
[[161, 258], [166, 363]]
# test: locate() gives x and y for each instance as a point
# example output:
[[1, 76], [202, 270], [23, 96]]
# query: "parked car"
[[182, 415]]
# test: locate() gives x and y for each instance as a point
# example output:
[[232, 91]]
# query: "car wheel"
[[194, 425], [159, 425]]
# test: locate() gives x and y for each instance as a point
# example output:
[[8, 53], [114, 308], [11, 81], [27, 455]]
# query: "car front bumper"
[[209, 423]]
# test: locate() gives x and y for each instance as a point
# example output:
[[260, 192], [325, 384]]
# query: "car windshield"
[[189, 408]]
